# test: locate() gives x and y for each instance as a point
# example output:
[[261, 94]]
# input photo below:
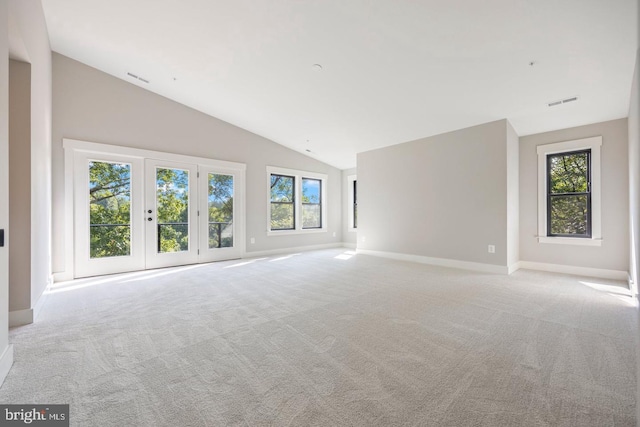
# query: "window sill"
[[290, 232], [578, 241]]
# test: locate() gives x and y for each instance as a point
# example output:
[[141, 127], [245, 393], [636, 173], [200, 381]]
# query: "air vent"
[[142, 79], [563, 101]]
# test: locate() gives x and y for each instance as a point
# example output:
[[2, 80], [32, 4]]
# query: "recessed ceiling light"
[[317, 67]]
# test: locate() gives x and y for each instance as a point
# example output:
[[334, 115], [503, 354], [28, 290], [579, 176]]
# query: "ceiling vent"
[[142, 79], [563, 101]]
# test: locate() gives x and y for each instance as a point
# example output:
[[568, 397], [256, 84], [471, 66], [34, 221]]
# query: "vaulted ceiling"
[[390, 71]]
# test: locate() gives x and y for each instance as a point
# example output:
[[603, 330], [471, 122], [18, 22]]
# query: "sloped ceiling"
[[392, 71]]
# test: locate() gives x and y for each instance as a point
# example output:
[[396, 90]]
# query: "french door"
[[171, 213], [133, 213]]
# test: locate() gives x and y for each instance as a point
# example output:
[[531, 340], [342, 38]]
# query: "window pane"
[[568, 173], [220, 211], [311, 216], [569, 215], [109, 209], [172, 204], [282, 188], [310, 190], [355, 204], [282, 216]]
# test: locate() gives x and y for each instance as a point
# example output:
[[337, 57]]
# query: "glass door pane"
[[109, 209], [172, 207], [220, 210]]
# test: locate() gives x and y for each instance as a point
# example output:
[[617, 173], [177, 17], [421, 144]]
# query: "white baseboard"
[[514, 267], [632, 286], [20, 317], [290, 250], [41, 301], [6, 360], [442, 262], [348, 245], [575, 270], [29, 315], [62, 276]]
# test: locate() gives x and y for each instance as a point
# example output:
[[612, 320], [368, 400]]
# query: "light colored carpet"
[[326, 338]]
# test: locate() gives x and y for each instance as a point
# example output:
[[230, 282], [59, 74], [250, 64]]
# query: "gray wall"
[[90, 105], [444, 196], [348, 237], [20, 185], [614, 252]]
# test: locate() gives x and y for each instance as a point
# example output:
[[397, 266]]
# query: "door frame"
[[73, 148], [84, 264], [154, 258], [237, 251]]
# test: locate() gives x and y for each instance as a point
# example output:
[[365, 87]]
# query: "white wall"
[[513, 197], [634, 200], [6, 352], [348, 233], [31, 43], [439, 197], [634, 179], [614, 252], [93, 106]]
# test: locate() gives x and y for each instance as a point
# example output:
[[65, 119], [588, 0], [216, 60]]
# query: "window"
[[296, 201], [311, 203], [355, 203], [352, 186], [569, 192], [283, 207]]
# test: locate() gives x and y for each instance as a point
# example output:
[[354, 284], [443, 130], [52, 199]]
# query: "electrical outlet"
[[334, 234], [253, 240], [492, 249], [364, 239]]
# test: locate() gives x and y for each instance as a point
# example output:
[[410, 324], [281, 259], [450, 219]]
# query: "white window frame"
[[350, 181], [298, 175], [594, 144]]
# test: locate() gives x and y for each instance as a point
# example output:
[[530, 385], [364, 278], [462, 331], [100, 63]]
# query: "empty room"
[[319, 213]]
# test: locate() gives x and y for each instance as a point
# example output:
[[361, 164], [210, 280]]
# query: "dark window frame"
[[355, 203], [293, 202], [302, 179], [550, 196]]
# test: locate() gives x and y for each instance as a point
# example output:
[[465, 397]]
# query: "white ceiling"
[[393, 71]]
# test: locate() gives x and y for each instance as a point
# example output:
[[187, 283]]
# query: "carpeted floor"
[[330, 338]]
